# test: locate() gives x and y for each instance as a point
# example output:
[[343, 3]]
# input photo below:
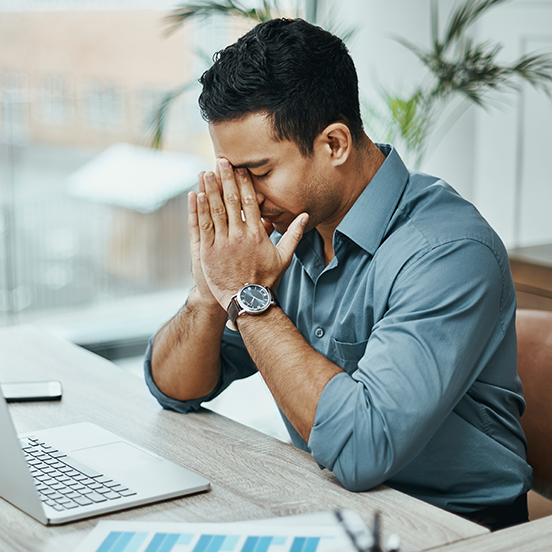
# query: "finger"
[[216, 204], [218, 177], [231, 193], [204, 221], [193, 227], [291, 238], [201, 182], [248, 197], [193, 224]]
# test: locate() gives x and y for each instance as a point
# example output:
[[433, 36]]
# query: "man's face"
[[287, 184]]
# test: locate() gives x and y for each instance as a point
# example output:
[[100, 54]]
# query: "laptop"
[[81, 470]]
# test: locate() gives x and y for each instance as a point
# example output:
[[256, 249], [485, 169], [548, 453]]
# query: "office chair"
[[534, 332]]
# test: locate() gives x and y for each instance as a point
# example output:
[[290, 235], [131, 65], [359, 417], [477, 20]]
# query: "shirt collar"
[[368, 218]]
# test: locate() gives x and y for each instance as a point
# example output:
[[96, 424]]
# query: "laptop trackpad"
[[113, 456]]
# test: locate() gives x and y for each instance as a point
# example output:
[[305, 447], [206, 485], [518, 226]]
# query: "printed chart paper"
[[123, 536]]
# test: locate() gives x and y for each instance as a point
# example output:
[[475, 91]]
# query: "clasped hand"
[[229, 250]]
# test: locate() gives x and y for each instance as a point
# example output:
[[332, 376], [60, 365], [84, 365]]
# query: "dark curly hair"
[[300, 75]]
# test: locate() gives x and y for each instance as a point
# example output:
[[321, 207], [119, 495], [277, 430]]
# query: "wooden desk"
[[535, 536], [253, 476], [532, 273]]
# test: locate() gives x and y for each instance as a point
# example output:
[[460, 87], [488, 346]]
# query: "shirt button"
[[319, 332]]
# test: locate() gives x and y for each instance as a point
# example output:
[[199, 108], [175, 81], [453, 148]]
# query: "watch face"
[[254, 298]]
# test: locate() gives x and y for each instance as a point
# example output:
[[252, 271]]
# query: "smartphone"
[[31, 391]]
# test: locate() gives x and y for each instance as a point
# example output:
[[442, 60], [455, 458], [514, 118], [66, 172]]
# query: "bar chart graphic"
[[129, 541], [317, 532]]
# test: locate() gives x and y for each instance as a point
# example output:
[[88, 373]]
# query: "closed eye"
[[260, 176]]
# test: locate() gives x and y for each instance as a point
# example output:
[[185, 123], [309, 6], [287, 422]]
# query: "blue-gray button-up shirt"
[[418, 309]]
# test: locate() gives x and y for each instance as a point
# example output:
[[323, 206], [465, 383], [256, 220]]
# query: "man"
[[390, 344]]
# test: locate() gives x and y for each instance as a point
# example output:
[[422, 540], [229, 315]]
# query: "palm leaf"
[[411, 119], [206, 8], [536, 70], [158, 120], [464, 16], [344, 32]]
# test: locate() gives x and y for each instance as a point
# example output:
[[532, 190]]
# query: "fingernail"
[[202, 197], [304, 220], [241, 172], [224, 164], [210, 176]]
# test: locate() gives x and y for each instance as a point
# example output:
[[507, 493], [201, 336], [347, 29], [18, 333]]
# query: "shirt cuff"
[[168, 402]]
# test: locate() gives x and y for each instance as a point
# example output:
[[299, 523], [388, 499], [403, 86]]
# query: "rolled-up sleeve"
[[441, 327], [235, 364]]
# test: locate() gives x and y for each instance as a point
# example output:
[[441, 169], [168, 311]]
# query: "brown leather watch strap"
[[234, 308]]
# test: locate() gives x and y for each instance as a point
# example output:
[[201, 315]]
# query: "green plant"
[[459, 68]]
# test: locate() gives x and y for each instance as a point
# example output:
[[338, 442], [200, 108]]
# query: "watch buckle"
[[231, 326]]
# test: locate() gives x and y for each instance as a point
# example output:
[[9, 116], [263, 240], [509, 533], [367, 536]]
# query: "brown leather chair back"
[[534, 332]]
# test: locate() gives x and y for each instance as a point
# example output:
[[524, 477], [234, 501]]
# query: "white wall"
[[484, 156], [513, 182]]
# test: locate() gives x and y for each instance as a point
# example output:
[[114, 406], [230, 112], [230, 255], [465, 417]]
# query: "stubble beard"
[[320, 205]]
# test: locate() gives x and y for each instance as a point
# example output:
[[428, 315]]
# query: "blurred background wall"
[[496, 158]]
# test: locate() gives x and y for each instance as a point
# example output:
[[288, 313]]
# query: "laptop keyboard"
[[65, 483]]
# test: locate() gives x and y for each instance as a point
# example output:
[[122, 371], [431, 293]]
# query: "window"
[[105, 107], [56, 100], [14, 90]]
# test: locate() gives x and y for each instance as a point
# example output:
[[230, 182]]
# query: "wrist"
[[251, 299], [206, 303], [268, 317]]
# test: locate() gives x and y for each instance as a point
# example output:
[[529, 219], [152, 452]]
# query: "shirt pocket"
[[347, 355]]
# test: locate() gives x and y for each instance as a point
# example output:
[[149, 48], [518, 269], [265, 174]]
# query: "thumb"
[[291, 238]]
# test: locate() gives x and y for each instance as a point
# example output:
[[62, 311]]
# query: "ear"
[[335, 142]]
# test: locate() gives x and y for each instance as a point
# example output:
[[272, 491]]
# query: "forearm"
[[294, 372], [186, 351], [232, 248]]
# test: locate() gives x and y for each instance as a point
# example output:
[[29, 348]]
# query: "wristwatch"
[[250, 299]]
